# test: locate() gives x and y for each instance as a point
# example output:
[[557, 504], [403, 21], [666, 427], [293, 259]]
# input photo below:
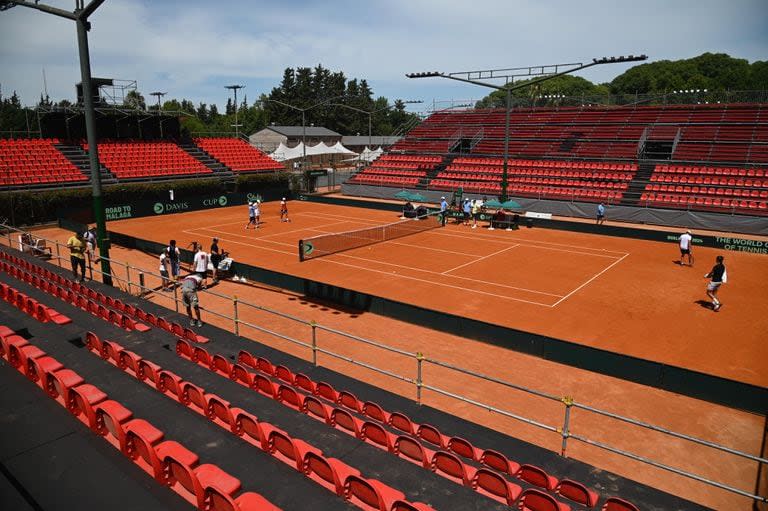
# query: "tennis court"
[[605, 292]]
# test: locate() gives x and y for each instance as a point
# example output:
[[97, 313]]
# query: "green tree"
[[135, 100]]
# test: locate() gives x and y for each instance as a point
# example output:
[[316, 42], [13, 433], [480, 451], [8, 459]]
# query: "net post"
[[301, 251]]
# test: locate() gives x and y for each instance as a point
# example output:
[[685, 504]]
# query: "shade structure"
[[493, 203], [510, 204]]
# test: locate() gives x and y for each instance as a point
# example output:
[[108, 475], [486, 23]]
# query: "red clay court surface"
[[618, 294]]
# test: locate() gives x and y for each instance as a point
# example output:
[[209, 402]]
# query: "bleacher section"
[[36, 162], [273, 430], [238, 155], [147, 159], [397, 170], [590, 181], [727, 133], [726, 189]]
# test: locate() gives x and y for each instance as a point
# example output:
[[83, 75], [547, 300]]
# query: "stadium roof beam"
[[371, 112], [547, 72], [80, 17]]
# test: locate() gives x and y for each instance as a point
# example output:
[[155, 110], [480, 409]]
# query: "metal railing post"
[[58, 255], [128, 277], [235, 317], [565, 432], [419, 362], [142, 287], [313, 324], [176, 298]]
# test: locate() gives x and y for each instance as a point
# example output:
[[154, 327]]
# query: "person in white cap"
[[284, 211], [443, 210], [685, 248], [251, 215]]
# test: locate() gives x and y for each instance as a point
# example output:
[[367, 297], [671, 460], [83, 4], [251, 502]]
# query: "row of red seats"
[[301, 393], [35, 161], [543, 171], [32, 307], [708, 190], [401, 165], [473, 186], [348, 483], [410, 158], [709, 180], [80, 295], [717, 171], [440, 456], [27, 142], [751, 207], [26, 179], [87, 304], [394, 172], [384, 180], [237, 154], [147, 158], [171, 464]]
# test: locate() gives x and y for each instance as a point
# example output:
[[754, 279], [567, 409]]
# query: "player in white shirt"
[[257, 212], [200, 264], [686, 241]]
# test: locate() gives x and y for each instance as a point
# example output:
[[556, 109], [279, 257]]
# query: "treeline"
[[318, 91], [711, 71]]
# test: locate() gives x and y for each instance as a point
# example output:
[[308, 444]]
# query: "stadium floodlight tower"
[[159, 97], [80, 17], [303, 121], [371, 112], [235, 88], [547, 72]]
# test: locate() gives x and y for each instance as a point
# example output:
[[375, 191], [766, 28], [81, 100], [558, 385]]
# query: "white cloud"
[[193, 48]]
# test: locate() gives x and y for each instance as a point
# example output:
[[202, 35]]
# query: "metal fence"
[[563, 426]]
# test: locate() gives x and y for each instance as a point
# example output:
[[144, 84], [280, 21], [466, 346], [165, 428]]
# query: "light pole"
[[235, 88], [547, 72], [303, 122], [159, 96], [371, 112], [159, 108], [80, 17]]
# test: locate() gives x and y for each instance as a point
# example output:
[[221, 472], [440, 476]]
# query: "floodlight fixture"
[[159, 96], [235, 88], [425, 74]]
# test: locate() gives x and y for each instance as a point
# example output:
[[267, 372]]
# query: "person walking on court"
[[466, 209], [257, 213], [164, 269], [685, 248], [284, 211], [443, 210], [718, 276], [200, 263], [77, 249], [189, 287], [215, 255], [251, 215], [600, 213], [475, 212], [173, 260]]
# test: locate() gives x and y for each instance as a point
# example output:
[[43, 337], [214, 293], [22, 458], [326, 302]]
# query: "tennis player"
[[251, 215], [685, 248], [718, 276], [257, 212], [284, 211]]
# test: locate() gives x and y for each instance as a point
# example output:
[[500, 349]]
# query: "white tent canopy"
[[283, 153]]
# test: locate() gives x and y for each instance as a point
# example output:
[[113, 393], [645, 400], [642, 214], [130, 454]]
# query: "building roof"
[[362, 140], [298, 131]]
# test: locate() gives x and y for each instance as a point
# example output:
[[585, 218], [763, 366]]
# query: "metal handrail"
[[568, 402]]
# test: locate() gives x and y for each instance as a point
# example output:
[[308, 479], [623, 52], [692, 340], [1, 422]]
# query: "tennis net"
[[326, 244]]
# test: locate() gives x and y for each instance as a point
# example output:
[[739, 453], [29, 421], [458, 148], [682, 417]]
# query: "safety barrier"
[[419, 362]]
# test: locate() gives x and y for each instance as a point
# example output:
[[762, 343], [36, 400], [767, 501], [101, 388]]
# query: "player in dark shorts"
[[718, 277], [215, 258], [251, 215], [284, 211]]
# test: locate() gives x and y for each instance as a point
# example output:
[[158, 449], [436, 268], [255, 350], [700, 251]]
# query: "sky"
[[191, 49]]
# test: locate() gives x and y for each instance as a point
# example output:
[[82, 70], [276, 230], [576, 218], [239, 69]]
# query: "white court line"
[[298, 230], [438, 273], [250, 245], [590, 280], [477, 260], [326, 260]]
